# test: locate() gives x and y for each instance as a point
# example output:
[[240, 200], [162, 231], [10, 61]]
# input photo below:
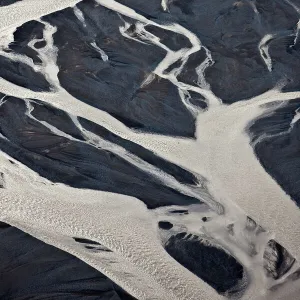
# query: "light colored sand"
[[264, 50], [23, 11], [221, 153], [121, 223]]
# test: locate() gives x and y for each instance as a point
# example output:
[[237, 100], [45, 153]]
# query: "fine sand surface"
[[221, 153]]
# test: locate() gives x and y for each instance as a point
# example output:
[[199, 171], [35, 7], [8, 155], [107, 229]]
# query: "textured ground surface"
[[154, 145]]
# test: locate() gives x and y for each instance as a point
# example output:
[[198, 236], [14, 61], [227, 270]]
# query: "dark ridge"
[[89, 247], [60, 119], [179, 211], [179, 173], [92, 171], [98, 249], [279, 153], [2, 180], [85, 241], [28, 31], [210, 263], [250, 224], [131, 29], [165, 225], [172, 40], [271, 10], [198, 100], [31, 269], [185, 9], [78, 164], [231, 31], [115, 86], [40, 44], [22, 75], [277, 260], [174, 65], [8, 2], [23, 35], [4, 225], [56, 117], [188, 74], [123, 295], [138, 7], [274, 122], [129, 123]]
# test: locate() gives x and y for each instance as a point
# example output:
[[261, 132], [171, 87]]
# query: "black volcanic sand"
[[23, 35], [85, 241], [22, 75], [115, 85], [91, 245], [210, 263], [277, 260], [279, 153], [230, 29], [292, 277], [165, 225], [177, 172], [8, 2], [31, 269], [80, 165]]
